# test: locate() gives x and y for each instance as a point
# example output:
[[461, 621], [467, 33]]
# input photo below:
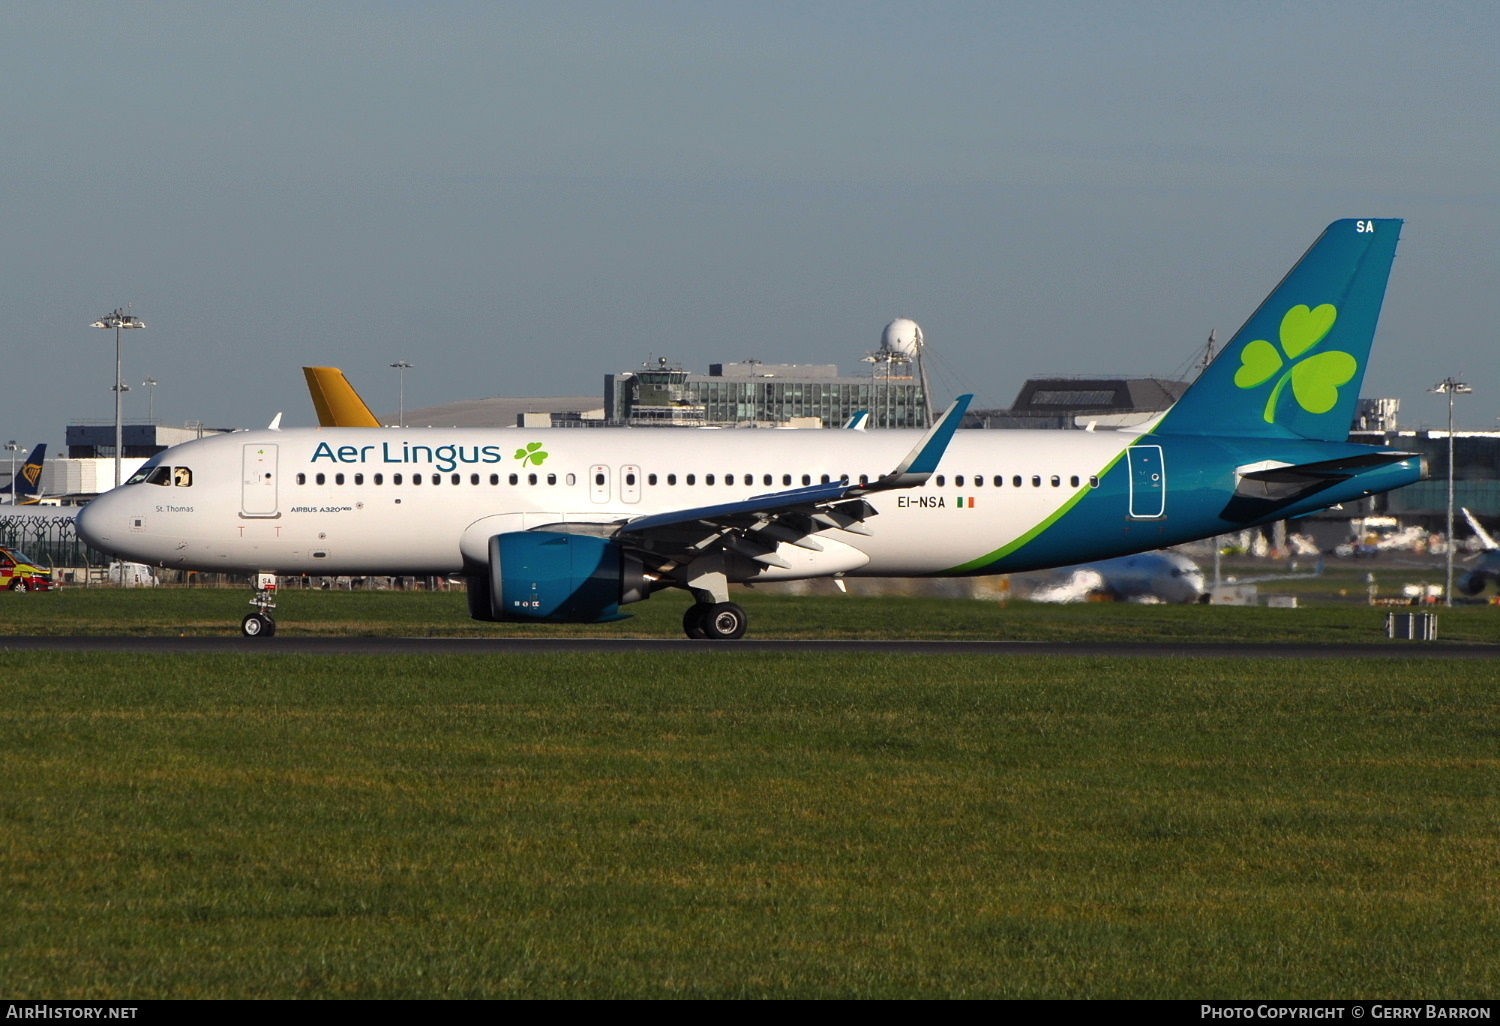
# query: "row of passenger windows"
[[767, 480]]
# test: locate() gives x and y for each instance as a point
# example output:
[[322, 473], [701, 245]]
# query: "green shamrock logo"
[[531, 454], [1315, 379]]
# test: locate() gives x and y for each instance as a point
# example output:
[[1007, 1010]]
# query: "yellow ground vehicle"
[[19, 573]]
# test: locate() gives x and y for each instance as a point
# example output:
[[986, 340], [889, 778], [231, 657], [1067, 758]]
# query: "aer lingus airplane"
[[570, 525]]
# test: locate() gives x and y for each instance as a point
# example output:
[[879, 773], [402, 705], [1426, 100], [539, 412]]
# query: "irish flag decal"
[[966, 503]]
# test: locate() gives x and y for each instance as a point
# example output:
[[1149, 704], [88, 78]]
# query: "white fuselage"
[[410, 501]]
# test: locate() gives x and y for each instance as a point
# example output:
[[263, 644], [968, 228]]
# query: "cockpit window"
[[182, 477], [142, 474], [160, 476]]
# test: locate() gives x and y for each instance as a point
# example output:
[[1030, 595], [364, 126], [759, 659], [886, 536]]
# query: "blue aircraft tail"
[[1296, 366], [28, 478]]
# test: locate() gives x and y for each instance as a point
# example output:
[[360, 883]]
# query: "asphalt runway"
[[515, 646]]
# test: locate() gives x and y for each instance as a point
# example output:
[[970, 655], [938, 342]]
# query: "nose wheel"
[[715, 621], [259, 623]]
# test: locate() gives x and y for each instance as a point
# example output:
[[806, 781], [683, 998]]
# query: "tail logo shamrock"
[[1315, 379]]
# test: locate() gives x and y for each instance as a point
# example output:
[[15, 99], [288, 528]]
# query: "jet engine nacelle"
[[1471, 584], [555, 577]]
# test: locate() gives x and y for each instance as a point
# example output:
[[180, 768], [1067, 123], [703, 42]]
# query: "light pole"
[[12, 447], [1451, 387], [401, 367], [120, 321], [150, 383]]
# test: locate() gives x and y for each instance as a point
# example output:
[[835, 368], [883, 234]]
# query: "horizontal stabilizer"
[[1326, 470]]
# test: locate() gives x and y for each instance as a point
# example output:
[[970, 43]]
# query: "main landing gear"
[[715, 621], [259, 623]]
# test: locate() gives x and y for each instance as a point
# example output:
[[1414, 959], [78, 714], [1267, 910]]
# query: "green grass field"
[[215, 611], [740, 824], [747, 825]]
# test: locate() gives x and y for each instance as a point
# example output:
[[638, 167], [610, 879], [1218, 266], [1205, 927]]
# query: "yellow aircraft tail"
[[336, 401]]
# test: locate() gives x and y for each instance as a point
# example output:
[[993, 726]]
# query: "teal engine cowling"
[[554, 577]]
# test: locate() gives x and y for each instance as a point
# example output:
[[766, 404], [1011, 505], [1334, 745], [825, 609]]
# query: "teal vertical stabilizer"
[[1296, 366]]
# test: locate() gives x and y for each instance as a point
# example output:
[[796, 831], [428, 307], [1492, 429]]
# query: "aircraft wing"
[[1480, 533], [754, 527]]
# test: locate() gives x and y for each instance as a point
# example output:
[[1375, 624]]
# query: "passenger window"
[[766, 480], [494, 479], [359, 479], [708, 479], [807, 479], [338, 478], [786, 479], [531, 479], [182, 477], [514, 479], [1016, 480], [320, 479], [473, 479], [552, 479], [1036, 481], [437, 478], [864, 479], [571, 479], [457, 479], [959, 480], [1073, 481], [1056, 481], [395, 479], [416, 479], [671, 479], [599, 479], [825, 479], [940, 480], [1093, 481], [302, 479], [978, 480], [380, 479], [999, 481], [691, 479], [630, 479], [650, 479]]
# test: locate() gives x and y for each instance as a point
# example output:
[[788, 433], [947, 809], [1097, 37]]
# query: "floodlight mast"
[[1450, 387], [120, 320], [11, 447], [401, 367]]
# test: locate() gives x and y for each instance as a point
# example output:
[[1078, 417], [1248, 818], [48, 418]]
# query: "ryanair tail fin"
[[336, 401], [1296, 366], [27, 486]]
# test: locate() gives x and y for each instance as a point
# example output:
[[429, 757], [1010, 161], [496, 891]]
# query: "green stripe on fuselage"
[[1031, 535]]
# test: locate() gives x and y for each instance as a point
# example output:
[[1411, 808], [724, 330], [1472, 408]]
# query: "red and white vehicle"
[[20, 573]]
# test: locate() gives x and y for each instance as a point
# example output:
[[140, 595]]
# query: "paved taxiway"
[[514, 646]]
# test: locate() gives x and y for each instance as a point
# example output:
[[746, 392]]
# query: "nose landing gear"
[[259, 623]]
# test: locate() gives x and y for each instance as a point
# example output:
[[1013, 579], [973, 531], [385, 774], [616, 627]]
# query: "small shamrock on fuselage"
[[1315, 379], [531, 454]]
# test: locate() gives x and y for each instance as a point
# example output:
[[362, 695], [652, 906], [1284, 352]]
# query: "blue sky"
[[520, 197]]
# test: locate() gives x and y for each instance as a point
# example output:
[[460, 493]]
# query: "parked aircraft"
[[335, 400], [1486, 566], [1142, 577], [26, 488], [570, 525]]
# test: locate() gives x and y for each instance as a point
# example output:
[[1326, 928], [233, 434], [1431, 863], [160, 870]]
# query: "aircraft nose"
[[91, 523]]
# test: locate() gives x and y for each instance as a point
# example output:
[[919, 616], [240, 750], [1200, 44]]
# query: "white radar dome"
[[902, 336]]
